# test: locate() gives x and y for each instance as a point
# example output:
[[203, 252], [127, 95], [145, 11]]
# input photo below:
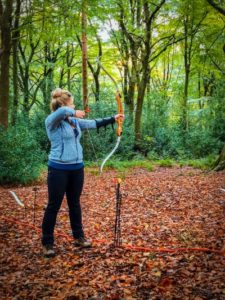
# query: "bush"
[[37, 127], [201, 143], [20, 155]]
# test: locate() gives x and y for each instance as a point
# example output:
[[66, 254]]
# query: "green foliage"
[[20, 155], [37, 127], [201, 143], [205, 163], [163, 137], [217, 111], [47, 60], [124, 165], [172, 142], [168, 163]]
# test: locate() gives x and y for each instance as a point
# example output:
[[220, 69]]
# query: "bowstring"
[[97, 159], [99, 164]]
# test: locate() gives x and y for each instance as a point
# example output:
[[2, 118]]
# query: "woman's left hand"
[[122, 116]]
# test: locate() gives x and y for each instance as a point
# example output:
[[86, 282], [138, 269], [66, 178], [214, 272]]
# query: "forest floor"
[[177, 214]]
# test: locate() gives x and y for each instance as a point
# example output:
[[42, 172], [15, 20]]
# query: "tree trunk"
[[44, 90], [145, 74], [1, 14], [84, 69], [137, 53], [44, 85], [96, 72], [97, 87], [131, 93], [220, 162], [4, 60], [84, 54], [138, 113], [26, 90], [128, 50], [15, 41], [48, 82], [184, 118], [68, 63]]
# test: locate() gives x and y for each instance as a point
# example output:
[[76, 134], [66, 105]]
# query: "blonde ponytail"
[[59, 98]]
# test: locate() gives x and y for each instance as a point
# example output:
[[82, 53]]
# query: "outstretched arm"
[[97, 123]]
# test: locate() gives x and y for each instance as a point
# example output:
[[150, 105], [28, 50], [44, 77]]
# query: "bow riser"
[[119, 121]]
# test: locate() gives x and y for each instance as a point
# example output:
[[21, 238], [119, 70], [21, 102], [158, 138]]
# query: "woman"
[[65, 166]]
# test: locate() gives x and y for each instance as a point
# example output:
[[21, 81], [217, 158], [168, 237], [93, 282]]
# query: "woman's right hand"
[[79, 114]]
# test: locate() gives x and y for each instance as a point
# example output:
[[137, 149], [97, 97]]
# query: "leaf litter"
[[169, 208]]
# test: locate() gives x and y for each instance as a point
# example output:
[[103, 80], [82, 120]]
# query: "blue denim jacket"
[[65, 140]]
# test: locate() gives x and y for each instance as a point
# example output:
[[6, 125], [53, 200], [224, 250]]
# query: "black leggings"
[[59, 183]]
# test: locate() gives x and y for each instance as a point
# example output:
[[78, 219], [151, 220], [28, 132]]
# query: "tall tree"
[[192, 21], [220, 162], [15, 42], [6, 8], [84, 54], [24, 65], [95, 70], [141, 44]]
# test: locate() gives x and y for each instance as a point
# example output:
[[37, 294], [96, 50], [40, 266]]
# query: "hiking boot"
[[82, 242], [48, 251]]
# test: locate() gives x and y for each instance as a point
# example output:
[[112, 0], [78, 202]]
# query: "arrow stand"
[[117, 236]]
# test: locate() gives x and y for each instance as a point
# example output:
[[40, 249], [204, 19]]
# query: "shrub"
[[20, 156]]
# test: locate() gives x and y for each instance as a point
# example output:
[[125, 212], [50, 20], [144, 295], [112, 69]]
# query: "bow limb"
[[119, 129], [111, 153], [16, 198], [119, 120]]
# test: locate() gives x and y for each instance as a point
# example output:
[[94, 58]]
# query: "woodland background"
[[166, 56]]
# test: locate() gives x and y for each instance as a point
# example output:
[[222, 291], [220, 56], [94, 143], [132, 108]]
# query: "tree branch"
[[165, 47], [216, 64], [216, 6], [155, 11]]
